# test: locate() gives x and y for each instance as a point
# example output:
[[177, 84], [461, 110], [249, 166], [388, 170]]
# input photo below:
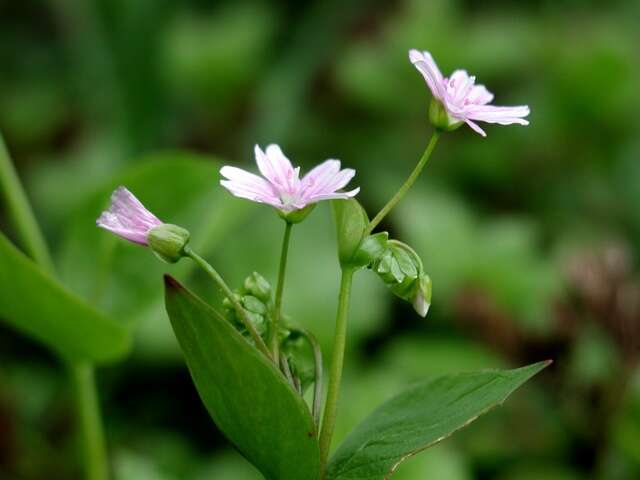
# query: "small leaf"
[[371, 248], [419, 418], [41, 308], [351, 224], [249, 400]]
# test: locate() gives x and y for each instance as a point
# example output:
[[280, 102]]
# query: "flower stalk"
[[274, 340], [242, 313], [406, 185]]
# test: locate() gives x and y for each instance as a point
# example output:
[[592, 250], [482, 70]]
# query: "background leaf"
[[249, 399], [41, 308], [421, 417]]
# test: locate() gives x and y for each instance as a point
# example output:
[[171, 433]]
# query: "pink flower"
[[282, 186], [462, 99], [128, 218]]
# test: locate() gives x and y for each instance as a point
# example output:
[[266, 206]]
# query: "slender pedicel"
[[242, 313], [274, 339], [406, 185]]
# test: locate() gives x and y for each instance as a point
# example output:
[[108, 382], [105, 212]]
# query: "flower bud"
[[440, 118], [168, 241], [422, 295], [258, 286], [253, 304]]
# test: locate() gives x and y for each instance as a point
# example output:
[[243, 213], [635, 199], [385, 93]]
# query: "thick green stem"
[[406, 185], [92, 436], [273, 336], [82, 375], [242, 313], [337, 362]]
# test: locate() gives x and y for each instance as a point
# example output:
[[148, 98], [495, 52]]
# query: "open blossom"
[[281, 186], [462, 99], [128, 218]]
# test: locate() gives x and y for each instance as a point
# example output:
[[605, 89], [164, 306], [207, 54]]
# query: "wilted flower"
[[128, 218], [458, 99], [282, 186]]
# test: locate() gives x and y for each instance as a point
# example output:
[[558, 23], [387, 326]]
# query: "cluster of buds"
[[255, 298], [400, 267]]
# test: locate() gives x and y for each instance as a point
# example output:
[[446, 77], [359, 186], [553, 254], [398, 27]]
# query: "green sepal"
[[167, 241], [296, 216], [441, 119]]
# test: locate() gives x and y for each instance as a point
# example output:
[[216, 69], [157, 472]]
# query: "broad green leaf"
[[39, 307], [247, 397], [351, 223], [419, 418]]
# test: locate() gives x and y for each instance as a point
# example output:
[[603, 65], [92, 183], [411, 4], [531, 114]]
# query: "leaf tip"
[[171, 284]]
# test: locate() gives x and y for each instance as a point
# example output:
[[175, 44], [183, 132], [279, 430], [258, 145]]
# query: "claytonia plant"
[[260, 375]]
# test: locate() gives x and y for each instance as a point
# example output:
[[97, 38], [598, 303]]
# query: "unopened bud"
[[258, 286], [422, 295]]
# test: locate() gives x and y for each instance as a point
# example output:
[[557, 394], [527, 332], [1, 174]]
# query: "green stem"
[[317, 373], [337, 362], [273, 336], [242, 313], [82, 375], [21, 213], [92, 437], [406, 185]]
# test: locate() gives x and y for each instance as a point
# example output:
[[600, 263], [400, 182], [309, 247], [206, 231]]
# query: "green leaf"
[[351, 223], [39, 307], [247, 397], [419, 418]]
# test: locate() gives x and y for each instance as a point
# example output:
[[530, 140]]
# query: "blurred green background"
[[531, 236]]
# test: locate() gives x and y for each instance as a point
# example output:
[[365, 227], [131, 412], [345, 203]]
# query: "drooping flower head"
[[281, 186], [129, 219], [457, 99]]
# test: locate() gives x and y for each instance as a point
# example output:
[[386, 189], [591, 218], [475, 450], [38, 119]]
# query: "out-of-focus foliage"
[[531, 236]]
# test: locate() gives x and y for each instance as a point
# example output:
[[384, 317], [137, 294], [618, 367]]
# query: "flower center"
[[288, 199]]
